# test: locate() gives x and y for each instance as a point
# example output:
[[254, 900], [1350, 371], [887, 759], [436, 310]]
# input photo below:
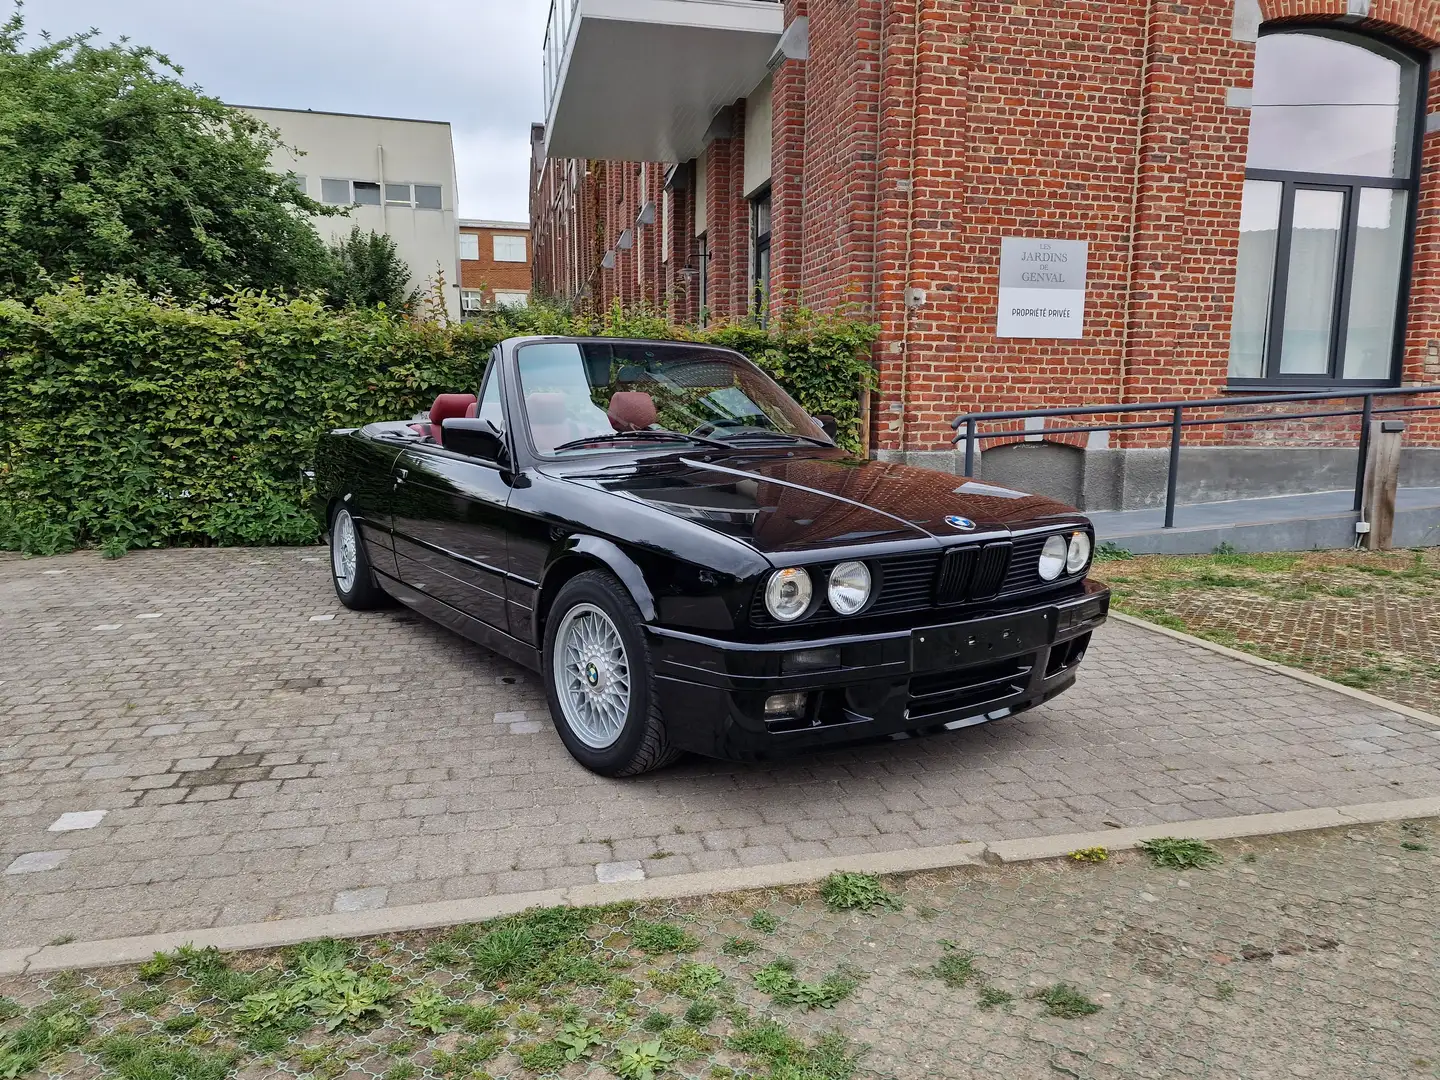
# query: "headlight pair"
[[1060, 556], [789, 592]]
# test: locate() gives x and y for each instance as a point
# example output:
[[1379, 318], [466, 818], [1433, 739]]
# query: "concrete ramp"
[[1283, 523]]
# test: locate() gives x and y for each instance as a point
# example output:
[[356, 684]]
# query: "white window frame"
[[496, 238], [517, 297], [473, 241], [472, 300]]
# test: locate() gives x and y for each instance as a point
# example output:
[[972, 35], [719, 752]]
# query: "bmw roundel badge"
[[964, 524]]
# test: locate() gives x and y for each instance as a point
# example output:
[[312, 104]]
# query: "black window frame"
[[760, 246], [1271, 377]]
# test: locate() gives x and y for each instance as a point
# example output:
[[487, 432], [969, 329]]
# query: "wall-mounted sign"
[[1042, 288]]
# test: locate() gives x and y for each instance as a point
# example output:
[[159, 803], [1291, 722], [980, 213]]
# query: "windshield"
[[586, 396]]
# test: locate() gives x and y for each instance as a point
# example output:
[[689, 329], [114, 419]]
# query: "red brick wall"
[[487, 274], [919, 132]]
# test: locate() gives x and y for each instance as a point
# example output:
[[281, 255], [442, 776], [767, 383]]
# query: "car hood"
[[796, 503]]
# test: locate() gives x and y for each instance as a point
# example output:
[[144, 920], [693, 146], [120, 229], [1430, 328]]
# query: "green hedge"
[[129, 422]]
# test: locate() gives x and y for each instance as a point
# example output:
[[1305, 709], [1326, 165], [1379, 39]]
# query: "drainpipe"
[[910, 228]]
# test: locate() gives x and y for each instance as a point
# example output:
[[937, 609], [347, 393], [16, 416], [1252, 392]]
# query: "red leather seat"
[[631, 410], [448, 407]]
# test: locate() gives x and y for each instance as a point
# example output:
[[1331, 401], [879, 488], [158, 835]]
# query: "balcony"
[[640, 80]]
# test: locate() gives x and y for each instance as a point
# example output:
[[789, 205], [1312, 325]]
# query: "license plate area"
[[980, 642]]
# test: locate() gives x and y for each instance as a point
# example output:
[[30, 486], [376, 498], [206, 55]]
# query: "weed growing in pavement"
[[1414, 845], [48, 1030], [659, 937], [701, 1012], [779, 981], [1065, 1001], [657, 1021], [401, 1070], [540, 1057], [641, 1061], [992, 996], [11, 1009], [1225, 991], [764, 922], [1109, 551], [831, 1058], [857, 892], [1180, 853], [467, 1056], [1090, 855], [956, 967], [577, 1039], [141, 1001], [429, 1010], [738, 946]]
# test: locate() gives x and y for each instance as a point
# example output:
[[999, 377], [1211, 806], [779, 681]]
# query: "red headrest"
[[448, 407], [631, 410], [472, 410]]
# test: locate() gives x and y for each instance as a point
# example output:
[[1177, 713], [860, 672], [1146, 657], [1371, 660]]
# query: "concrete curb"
[[132, 950], [1281, 669]]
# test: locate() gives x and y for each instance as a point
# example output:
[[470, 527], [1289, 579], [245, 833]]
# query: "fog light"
[[809, 660], [785, 706]]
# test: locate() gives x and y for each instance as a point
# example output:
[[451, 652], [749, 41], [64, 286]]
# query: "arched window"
[[1325, 226]]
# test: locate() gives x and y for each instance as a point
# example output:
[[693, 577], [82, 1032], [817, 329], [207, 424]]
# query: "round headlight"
[[1052, 557], [787, 594], [1079, 556], [849, 587]]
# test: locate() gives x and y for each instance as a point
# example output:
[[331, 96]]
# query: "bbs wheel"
[[598, 679], [350, 566]]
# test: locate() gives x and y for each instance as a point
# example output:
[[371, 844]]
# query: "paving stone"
[[362, 899], [78, 819], [611, 872], [405, 732], [34, 862]]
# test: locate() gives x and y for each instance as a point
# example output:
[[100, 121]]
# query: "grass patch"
[[133, 1057], [991, 997], [701, 1012], [857, 892], [832, 1057], [659, 937], [1065, 1001], [764, 922], [738, 946], [956, 967], [48, 1030], [1176, 853]]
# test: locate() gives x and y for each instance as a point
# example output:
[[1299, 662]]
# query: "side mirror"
[[827, 424], [474, 438]]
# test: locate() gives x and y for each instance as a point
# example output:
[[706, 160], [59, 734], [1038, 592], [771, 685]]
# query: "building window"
[[365, 193], [511, 298], [702, 256], [1327, 214], [471, 300], [760, 247], [469, 246], [510, 249]]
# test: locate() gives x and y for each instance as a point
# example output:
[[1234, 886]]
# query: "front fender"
[[592, 549]]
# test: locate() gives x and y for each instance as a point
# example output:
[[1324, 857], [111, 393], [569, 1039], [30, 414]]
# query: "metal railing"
[[1177, 423]]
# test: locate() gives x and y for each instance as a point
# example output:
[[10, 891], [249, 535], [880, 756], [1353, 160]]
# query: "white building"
[[397, 176]]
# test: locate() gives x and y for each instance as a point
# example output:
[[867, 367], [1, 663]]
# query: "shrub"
[[134, 422]]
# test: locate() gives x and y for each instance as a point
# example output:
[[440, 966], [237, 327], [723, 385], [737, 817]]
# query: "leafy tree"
[[112, 166], [367, 271]]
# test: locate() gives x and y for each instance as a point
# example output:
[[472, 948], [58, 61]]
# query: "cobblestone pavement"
[[1368, 619], [259, 752], [1306, 956]]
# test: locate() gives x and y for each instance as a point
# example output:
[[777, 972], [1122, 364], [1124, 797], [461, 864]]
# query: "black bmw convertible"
[[692, 564]]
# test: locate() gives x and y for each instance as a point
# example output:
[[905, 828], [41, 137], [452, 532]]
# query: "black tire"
[[363, 593], [642, 745]]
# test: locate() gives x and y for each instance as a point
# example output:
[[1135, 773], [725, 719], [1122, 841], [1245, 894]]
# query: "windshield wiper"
[[642, 435], [777, 435]]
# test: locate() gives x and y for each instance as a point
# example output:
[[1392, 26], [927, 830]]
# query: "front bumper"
[[928, 679]]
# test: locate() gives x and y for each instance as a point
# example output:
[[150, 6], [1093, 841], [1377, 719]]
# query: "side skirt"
[[465, 625]]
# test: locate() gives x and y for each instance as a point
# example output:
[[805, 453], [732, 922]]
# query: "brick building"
[[494, 263], [1252, 184]]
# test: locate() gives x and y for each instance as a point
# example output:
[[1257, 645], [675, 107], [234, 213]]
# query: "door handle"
[[400, 475]]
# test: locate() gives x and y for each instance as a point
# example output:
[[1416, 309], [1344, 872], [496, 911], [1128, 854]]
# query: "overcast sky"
[[475, 63]]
